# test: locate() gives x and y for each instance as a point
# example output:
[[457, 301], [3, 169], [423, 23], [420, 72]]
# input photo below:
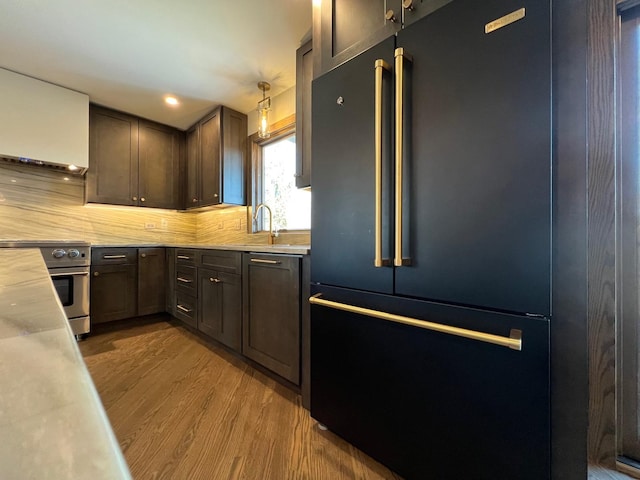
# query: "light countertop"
[[278, 248], [282, 249], [52, 422]]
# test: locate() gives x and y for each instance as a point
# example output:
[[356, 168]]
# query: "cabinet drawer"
[[186, 279], [114, 256], [186, 256], [220, 260], [186, 309]]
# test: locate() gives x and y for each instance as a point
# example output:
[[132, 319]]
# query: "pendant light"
[[264, 106]]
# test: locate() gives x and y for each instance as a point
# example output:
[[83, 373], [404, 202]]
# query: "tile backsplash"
[[44, 204], [41, 204]]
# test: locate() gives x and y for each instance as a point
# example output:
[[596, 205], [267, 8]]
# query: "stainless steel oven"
[[72, 285], [69, 266]]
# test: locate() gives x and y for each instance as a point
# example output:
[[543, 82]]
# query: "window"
[[629, 224], [274, 182]]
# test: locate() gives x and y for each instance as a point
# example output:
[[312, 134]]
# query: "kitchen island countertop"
[[51, 418]]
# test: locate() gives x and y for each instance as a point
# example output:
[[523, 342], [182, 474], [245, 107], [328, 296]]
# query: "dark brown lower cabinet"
[[113, 292], [220, 306], [127, 282], [271, 313], [151, 280]]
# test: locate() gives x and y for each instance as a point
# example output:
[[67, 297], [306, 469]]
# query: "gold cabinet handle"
[[390, 16], [260, 260], [96, 274], [380, 67], [142, 199], [513, 341], [215, 280], [408, 5], [400, 57], [184, 309], [134, 199], [113, 257], [184, 257], [143, 255], [184, 280]]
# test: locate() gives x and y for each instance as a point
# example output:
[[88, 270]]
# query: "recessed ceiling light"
[[171, 101]]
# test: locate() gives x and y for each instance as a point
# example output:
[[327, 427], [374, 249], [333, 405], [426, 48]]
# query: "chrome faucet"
[[272, 236]]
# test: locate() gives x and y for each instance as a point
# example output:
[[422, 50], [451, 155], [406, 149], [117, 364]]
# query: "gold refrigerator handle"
[[380, 67], [400, 57], [513, 341]]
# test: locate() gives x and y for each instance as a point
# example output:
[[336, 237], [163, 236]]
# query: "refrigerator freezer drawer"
[[429, 404]]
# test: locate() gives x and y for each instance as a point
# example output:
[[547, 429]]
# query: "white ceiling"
[[129, 54]]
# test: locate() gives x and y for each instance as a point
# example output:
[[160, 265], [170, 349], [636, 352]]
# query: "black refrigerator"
[[431, 245]]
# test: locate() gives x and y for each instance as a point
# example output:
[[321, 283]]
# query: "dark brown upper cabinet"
[[216, 160], [132, 161], [113, 158], [159, 149], [344, 28], [304, 75]]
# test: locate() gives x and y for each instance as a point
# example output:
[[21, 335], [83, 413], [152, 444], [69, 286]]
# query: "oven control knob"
[[58, 253], [73, 253]]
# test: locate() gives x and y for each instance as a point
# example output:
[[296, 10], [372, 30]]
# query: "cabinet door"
[[233, 157], [192, 189], [159, 165], [345, 28], [304, 75], [151, 280], [113, 292], [210, 160], [220, 306], [113, 158], [413, 10], [271, 313]]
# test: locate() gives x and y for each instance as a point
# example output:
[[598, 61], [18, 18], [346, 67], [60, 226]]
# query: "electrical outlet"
[[149, 225]]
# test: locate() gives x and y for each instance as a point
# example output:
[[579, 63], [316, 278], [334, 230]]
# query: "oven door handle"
[[66, 274]]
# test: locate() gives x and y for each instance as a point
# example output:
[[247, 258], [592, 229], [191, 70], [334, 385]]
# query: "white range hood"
[[42, 123]]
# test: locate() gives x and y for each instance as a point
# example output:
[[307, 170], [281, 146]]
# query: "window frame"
[[629, 218], [279, 131]]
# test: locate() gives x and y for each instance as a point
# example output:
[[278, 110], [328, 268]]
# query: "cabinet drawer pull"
[[184, 257], [215, 280], [143, 255], [184, 309], [113, 257], [260, 260], [184, 280]]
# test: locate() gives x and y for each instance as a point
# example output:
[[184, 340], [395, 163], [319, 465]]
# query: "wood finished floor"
[[182, 408]]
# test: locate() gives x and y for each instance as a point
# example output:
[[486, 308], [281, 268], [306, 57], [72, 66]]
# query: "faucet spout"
[[255, 218]]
